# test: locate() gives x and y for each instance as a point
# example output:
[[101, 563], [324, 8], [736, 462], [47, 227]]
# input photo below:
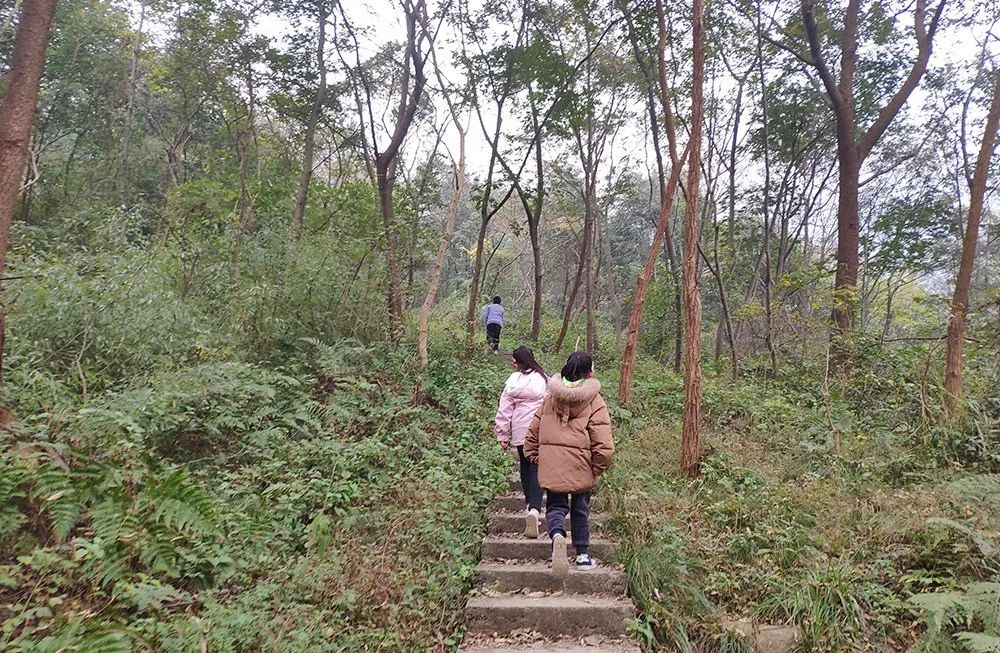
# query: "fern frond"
[[979, 642], [940, 608]]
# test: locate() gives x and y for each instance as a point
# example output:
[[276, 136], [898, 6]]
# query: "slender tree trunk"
[[17, 116], [727, 321], [768, 316], [588, 162], [309, 146], [534, 221], [662, 233], [616, 304], [130, 108], [471, 314], [887, 323], [581, 268], [536, 262], [731, 218], [454, 206], [386, 174], [590, 291], [960, 299], [690, 442], [630, 352], [248, 139]]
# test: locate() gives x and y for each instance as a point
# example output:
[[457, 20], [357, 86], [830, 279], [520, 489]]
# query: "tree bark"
[[309, 145], [960, 298], [17, 116], [690, 442]]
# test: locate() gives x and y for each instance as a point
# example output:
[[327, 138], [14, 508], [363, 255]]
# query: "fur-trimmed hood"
[[576, 395]]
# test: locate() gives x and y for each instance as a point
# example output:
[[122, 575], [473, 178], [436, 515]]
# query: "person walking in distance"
[[570, 441], [493, 320], [522, 395]]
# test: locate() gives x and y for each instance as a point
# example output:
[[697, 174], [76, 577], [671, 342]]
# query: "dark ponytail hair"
[[526, 360], [577, 366]]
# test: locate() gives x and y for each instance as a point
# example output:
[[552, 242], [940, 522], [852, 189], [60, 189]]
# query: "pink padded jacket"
[[522, 395]]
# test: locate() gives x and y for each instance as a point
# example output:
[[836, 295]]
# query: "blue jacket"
[[493, 314]]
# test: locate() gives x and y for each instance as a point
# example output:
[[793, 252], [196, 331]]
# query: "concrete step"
[[598, 645], [537, 577], [515, 503], [497, 547], [570, 615], [513, 522]]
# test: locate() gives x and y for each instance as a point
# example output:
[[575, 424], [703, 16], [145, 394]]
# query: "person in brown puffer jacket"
[[570, 441]]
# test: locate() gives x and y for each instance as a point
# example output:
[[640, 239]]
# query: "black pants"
[[493, 335], [578, 506], [529, 481]]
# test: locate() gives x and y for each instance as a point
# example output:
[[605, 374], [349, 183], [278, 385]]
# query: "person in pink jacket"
[[523, 394]]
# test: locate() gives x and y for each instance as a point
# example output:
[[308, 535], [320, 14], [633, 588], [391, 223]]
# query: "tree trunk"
[[588, 161], [960, 299], [17, 116], [534, 221], [130, 108], [590, 291], [309, 146], [386, 175], [454, 206], [581, 268], [631, 349], [768, 315], [536, 261], [662, 233], [616, 304], [853, 148], [249, 137], [731, 216], [846, 280], [386, 161], [690, 443], [471, 315]]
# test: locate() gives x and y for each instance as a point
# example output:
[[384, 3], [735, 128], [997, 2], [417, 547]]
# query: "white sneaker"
[[584, 562], [531, 521], [560, 561]]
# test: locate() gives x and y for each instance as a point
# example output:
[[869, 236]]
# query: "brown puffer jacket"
[[570, 437]]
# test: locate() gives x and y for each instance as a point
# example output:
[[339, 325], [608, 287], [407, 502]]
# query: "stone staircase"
[[519, 605]]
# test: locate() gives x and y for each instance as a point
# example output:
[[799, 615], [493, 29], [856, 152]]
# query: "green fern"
[[12, 476], [979, 642], [181, 505], [950, 617]]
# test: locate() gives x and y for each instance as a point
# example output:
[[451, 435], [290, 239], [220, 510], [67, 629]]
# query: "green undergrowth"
[[234, 506], [890, 544]]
